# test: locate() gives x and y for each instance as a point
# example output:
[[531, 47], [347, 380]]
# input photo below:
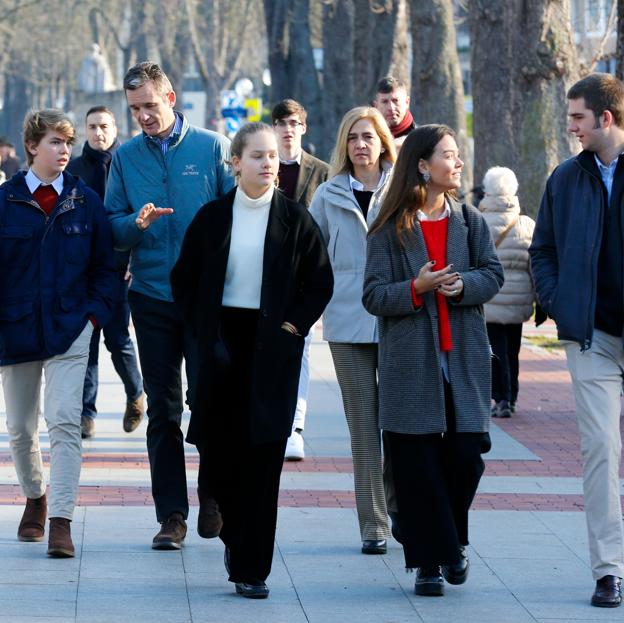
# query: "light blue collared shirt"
[[163, 143], [33, 182], [607, 172]]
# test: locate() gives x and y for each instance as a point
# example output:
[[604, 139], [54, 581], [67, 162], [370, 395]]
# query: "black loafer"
[[429, 582], [458, 572], [252, 591], [370, 546], [608, 593]]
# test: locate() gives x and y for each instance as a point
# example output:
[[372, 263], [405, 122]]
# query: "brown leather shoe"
[[133, 415], [608, 593], [172, 533], [60, 542], [32, 525], [209, 520], [87, 427]]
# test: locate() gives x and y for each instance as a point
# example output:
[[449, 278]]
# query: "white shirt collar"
[[357, 185], [445, 214], [33, 182], [297, 159]]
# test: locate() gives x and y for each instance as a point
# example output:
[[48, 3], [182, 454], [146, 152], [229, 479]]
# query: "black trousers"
[[505, 340], [435, 478], [163, 341], [243, 477]]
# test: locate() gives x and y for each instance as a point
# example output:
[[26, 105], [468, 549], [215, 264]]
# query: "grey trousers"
[[64, 380], [597, 376], [356, 370]]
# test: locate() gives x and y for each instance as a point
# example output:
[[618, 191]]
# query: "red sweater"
[[435, 235]]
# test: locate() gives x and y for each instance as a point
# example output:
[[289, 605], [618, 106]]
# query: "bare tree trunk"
[[375, 27], [338, 67], [437, 87], [490, 59], [520, 102], [276, 15], [399, 65]]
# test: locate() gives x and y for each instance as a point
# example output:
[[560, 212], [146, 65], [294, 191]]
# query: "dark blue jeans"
[[117, 341]]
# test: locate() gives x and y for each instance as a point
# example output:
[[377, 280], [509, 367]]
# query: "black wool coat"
[[297, 283]]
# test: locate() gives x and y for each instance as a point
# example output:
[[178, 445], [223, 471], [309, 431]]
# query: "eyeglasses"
[[282, 123]]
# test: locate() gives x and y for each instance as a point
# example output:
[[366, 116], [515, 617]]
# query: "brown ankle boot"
[[32, 525], [60, 543]]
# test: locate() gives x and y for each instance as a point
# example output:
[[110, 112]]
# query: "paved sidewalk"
[[528, 543]]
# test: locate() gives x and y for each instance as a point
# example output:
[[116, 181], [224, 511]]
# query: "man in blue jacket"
[[56, 284], [577, 259], [157, 183]]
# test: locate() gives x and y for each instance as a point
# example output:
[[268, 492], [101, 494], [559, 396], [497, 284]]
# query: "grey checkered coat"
[[411, 392]]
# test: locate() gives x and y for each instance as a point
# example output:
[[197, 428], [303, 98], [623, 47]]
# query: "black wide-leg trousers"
[[436, 477], [242, 476]]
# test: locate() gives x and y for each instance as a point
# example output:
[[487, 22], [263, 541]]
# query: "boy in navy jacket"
[[56, 284]]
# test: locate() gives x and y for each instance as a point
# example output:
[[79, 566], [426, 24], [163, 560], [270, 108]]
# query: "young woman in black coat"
[[252, 278]]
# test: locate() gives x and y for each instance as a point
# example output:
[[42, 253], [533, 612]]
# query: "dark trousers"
[[505, 340], [164, 340], [242, 476], [119, 344], [435, 478]]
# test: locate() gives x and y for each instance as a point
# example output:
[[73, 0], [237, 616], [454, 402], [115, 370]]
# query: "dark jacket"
[[312, 173], [92, 168], [297, 283], [57, 270], [566, 248]]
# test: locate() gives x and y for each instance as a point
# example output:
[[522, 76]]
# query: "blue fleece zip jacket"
[[193, 172], [57, 270]]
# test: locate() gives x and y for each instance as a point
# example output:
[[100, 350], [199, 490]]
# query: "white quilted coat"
[[514, 302]]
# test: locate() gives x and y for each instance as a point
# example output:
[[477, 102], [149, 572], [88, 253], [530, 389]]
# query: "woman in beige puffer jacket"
[[505, 313]]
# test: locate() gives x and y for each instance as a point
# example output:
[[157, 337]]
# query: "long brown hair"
[[407, 191]]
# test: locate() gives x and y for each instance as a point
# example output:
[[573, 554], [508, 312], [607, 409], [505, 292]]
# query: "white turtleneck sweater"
[[243, 276]]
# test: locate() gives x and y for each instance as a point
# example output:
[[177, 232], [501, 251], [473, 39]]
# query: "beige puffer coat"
[[514, 303]]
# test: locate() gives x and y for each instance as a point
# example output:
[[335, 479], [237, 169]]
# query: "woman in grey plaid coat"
[[431, 265]]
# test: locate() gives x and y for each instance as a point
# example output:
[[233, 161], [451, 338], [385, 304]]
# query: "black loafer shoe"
[[458, 572], [252, 591], [429, 582], [608, 593], [370, 546]]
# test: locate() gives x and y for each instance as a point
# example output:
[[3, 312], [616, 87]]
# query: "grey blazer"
[[411, 390], [312, 173]]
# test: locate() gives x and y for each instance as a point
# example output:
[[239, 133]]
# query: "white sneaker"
[[294, 447]]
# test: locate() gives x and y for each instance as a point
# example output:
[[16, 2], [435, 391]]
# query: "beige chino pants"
[[64, 380], [597, 376]]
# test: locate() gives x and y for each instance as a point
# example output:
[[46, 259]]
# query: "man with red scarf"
[[392, 101]]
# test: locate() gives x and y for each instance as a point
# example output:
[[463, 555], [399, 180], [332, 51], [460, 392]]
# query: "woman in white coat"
[[363, 155], [505, 313]]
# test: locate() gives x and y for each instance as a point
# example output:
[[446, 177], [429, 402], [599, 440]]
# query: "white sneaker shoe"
[[294, 447]]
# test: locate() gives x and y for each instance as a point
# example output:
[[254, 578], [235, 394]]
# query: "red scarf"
[[404, 125]]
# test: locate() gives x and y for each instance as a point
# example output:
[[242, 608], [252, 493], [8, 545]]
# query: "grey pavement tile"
[[13, 618], [41, 600], [504, 446], [156, 565], [551, 589], [18, 556], [213, 599]]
